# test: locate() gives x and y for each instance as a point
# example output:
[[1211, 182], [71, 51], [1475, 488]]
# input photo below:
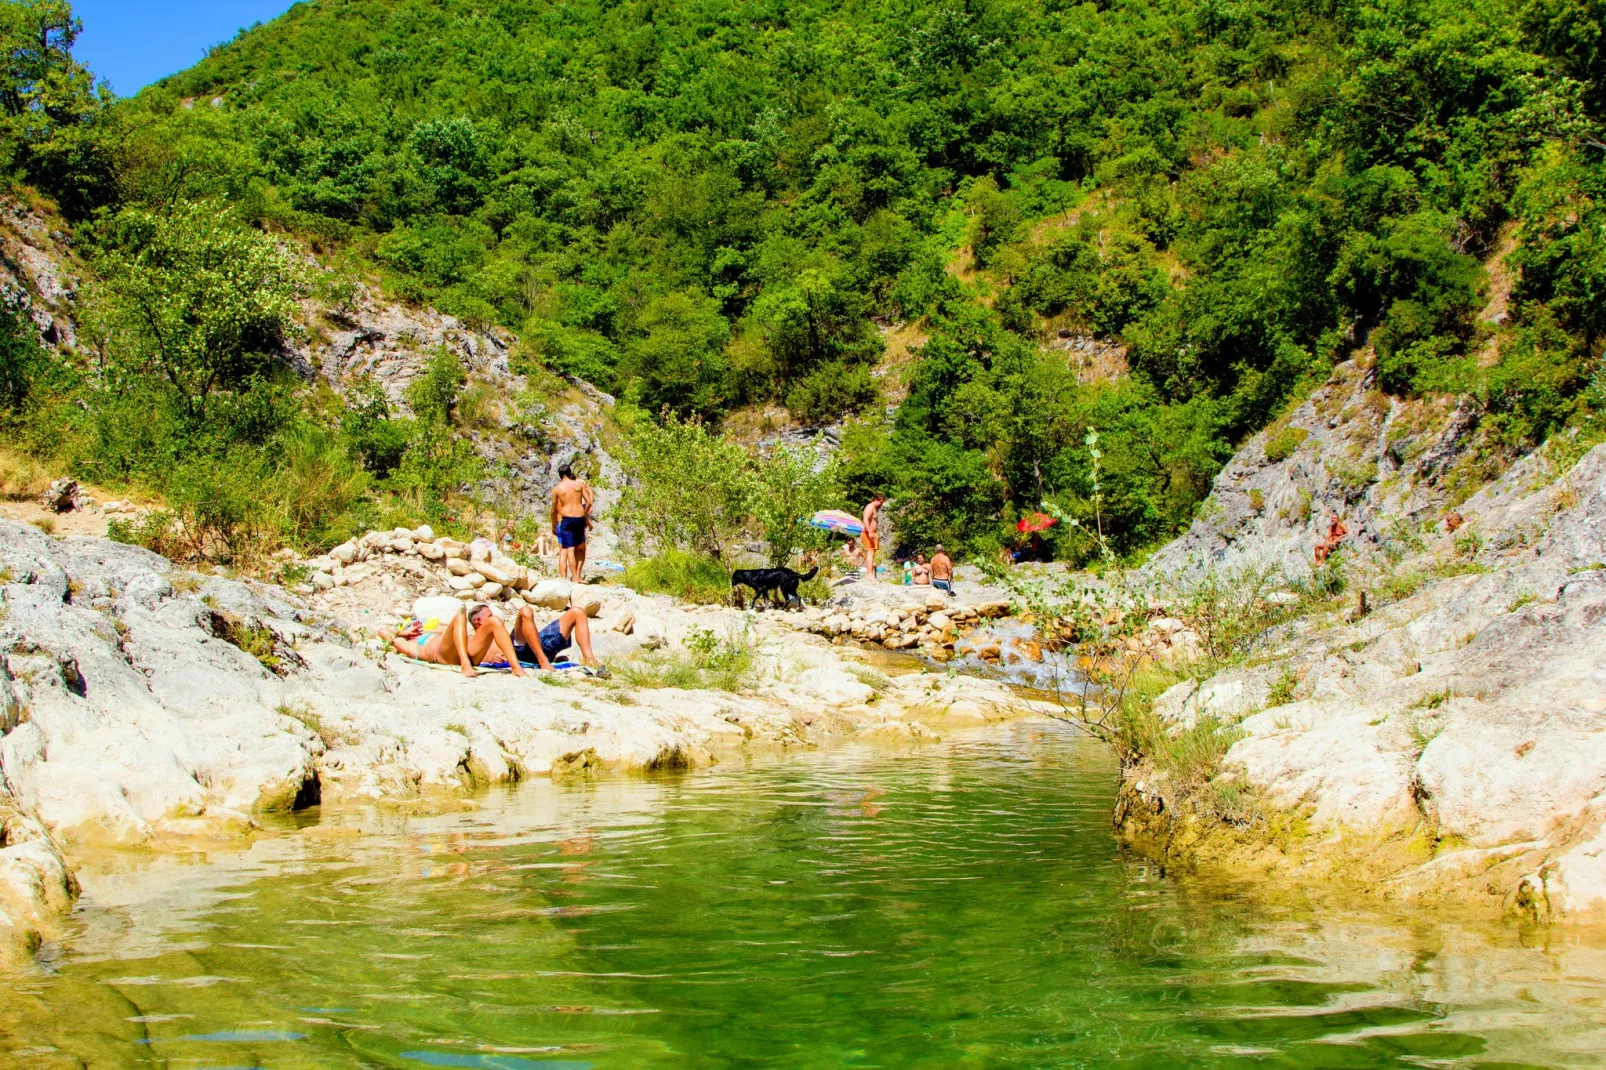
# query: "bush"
[[686, 576], [152, 530], [832, 391], [692, 487], [315, 486], [21, 477], [1281, 446], [708, 662]]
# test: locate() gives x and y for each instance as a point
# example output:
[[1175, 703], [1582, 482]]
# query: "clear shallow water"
[[961, 905]]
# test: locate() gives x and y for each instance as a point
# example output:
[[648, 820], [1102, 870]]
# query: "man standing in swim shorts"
[[872, 533], [572, 500]]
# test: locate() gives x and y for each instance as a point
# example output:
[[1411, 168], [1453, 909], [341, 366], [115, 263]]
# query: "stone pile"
[[933, 625], [472, 572]]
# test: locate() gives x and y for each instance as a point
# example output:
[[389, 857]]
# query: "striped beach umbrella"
[[836, 520]]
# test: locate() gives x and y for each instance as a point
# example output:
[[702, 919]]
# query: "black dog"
[[777, 581]]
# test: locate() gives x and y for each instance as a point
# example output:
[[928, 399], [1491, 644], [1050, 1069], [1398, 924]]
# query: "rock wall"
[[1454, 736]]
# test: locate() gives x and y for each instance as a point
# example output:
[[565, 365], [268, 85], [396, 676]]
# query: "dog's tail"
[[809, 575]]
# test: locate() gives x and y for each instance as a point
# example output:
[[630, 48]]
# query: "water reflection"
[[957, 905]]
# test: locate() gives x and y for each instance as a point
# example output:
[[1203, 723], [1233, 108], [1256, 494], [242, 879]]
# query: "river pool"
[[962, 904]]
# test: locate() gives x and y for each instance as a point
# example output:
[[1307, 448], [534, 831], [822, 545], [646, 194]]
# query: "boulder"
[[586, 599], [553, 594], [495, 574], [651, 632], [323, 581], [461, 584], [625, 624], [490, 589], [345, 553], [430, 551], [439, 608], [475, 579], [455, 551], [940, 621], [457, 566], [423, 533]]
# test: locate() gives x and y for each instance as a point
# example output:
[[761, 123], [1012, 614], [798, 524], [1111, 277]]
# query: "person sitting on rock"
[[922, 571], [572, 627], [456, 645], [1336, 531]]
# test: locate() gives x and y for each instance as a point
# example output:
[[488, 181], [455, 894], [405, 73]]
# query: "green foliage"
[[682, 575], [1281, 446], [434, 394], [708, 661], [691, 488], [789, 484], [700, 209], [193, 296], [48, 103]]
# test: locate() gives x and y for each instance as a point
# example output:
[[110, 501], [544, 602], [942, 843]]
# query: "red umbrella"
[[1035, 522]]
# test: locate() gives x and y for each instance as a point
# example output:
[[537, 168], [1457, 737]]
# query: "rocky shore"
[[1445, 738], [147, 705]]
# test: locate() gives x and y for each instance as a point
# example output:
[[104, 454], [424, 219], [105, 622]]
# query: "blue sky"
[[132, 43]]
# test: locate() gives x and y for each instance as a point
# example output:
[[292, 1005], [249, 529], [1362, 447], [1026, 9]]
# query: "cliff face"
[[1448, 737]]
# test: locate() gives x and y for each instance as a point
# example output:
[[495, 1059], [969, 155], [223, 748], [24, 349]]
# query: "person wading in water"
[[572, 500]]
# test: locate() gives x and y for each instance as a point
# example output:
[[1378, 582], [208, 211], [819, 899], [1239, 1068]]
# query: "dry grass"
[[21, 477]]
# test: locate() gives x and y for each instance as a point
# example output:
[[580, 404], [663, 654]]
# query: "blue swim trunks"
[[571, 532], [553, 643]]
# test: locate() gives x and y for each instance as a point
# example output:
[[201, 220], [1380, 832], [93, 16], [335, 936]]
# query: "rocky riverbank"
[[147, 705], [1442, 738]]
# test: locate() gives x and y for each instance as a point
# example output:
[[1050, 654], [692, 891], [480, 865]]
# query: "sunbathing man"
[[942, 570], [572, 626], [456, 645]]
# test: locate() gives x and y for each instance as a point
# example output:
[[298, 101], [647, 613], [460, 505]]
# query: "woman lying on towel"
[[454, 644]]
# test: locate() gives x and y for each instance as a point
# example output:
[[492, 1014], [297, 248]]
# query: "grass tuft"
[[686, 576]]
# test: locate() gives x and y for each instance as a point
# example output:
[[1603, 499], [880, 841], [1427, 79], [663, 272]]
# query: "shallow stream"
[[958, 905]]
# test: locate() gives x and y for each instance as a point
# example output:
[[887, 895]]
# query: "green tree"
[[790, 484], [195, 297], [691, 488], [678, 362]]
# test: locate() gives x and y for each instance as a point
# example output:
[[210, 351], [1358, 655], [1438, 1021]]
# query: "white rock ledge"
[[130, 717]]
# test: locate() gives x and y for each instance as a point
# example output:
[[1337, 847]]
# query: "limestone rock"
[[552, 594]]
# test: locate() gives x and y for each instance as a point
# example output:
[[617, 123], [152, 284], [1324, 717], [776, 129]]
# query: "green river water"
[[959, 905]]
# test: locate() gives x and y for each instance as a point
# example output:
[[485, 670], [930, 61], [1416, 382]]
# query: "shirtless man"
[[942, 570], [572, 500], [571, 628], [1336, 530], [454, 645], [872, 532]]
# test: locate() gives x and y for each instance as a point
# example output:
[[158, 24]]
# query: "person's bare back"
[[572, 500]]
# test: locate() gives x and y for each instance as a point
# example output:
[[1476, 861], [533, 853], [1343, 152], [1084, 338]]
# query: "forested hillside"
[[706, 205]]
